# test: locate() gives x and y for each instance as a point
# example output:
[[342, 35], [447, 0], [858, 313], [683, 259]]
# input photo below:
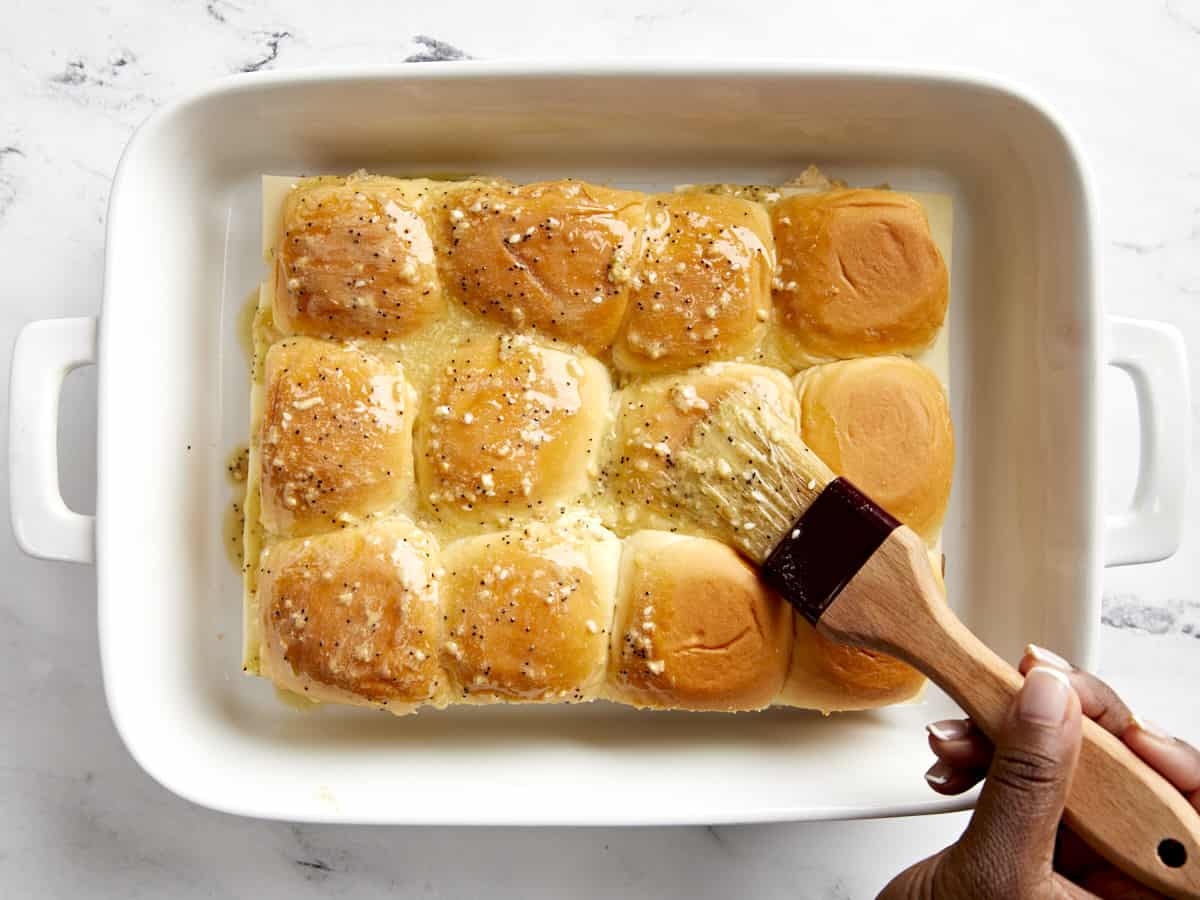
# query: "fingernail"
[[1044, 696], [939, 773], [1048, 657], [948, 729], [1155, 731]]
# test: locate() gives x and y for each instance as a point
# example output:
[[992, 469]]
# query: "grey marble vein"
[[79, 72], [8, 182], [215, 9], [272, 40], [1178, 16], [1140, 249], [1128, 611], [435, 51]]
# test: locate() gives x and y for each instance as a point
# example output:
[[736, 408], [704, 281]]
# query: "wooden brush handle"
[[1118, 804]]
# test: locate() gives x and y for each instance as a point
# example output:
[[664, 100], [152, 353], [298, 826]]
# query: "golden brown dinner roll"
[[353, 616], [529, 612], [509, 427], [833, 677], [859, 275], [695, 628], [657, 417], [335, 442], [702, 288], [554, 256], [884, 424], [355, 259]]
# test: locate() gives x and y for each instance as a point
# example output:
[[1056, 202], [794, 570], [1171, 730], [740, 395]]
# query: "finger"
[[1176, 761], [948, 780], [1010, 840], [1099, 702], [959, 744]]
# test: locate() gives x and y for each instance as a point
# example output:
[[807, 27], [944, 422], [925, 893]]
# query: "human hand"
[[1015, 845]]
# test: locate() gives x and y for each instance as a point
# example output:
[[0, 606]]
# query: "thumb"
[[1010, 840]]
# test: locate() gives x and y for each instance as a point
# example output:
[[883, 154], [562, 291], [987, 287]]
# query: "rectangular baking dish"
[[1025, 538]]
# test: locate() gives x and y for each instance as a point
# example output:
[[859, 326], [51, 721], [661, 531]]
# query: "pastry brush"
[[862, 578]]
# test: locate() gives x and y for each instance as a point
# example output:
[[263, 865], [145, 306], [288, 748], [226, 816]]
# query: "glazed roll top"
[[507, 428], [552, 257], [701, 288], [656, 418], [354, 616], [335, 437], [355, 259], [528, 613]]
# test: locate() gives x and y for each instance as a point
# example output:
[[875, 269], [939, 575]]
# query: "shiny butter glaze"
[[356, 260], [528, 613], [354, 616], [654, 419], [554, 257], [336, 435], [508, 427], [702, 286]]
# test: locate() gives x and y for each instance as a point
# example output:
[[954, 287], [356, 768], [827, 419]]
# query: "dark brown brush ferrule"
[[826, 547]]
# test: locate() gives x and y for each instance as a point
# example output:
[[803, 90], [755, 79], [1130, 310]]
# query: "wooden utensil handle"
[[1125, 810]]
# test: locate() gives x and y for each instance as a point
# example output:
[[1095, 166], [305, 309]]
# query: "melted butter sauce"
[[233, 529]]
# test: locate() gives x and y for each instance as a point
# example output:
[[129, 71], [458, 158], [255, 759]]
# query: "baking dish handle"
[[1153, 355], [44, 353]]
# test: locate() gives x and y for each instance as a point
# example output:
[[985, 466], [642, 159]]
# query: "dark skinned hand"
[[1015, 845]]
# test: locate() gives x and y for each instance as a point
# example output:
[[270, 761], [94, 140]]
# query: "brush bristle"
[[747, 476]]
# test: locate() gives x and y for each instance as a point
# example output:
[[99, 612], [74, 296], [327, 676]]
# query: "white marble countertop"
[[80, 819]]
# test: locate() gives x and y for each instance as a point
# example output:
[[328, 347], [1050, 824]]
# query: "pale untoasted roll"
[[860, 275], [353, 617], [554, 256], [702, 288], [336, 436], [656, 418], [833, 677], [529, 612], [509, 427], [695, 628], [883, 423], [355, 259]]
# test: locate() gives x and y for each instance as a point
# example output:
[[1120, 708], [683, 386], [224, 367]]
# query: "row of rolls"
[[552, 612], [510, 428], [650, 283]]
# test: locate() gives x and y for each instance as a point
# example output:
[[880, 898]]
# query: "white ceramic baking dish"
[[1025, 537]]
